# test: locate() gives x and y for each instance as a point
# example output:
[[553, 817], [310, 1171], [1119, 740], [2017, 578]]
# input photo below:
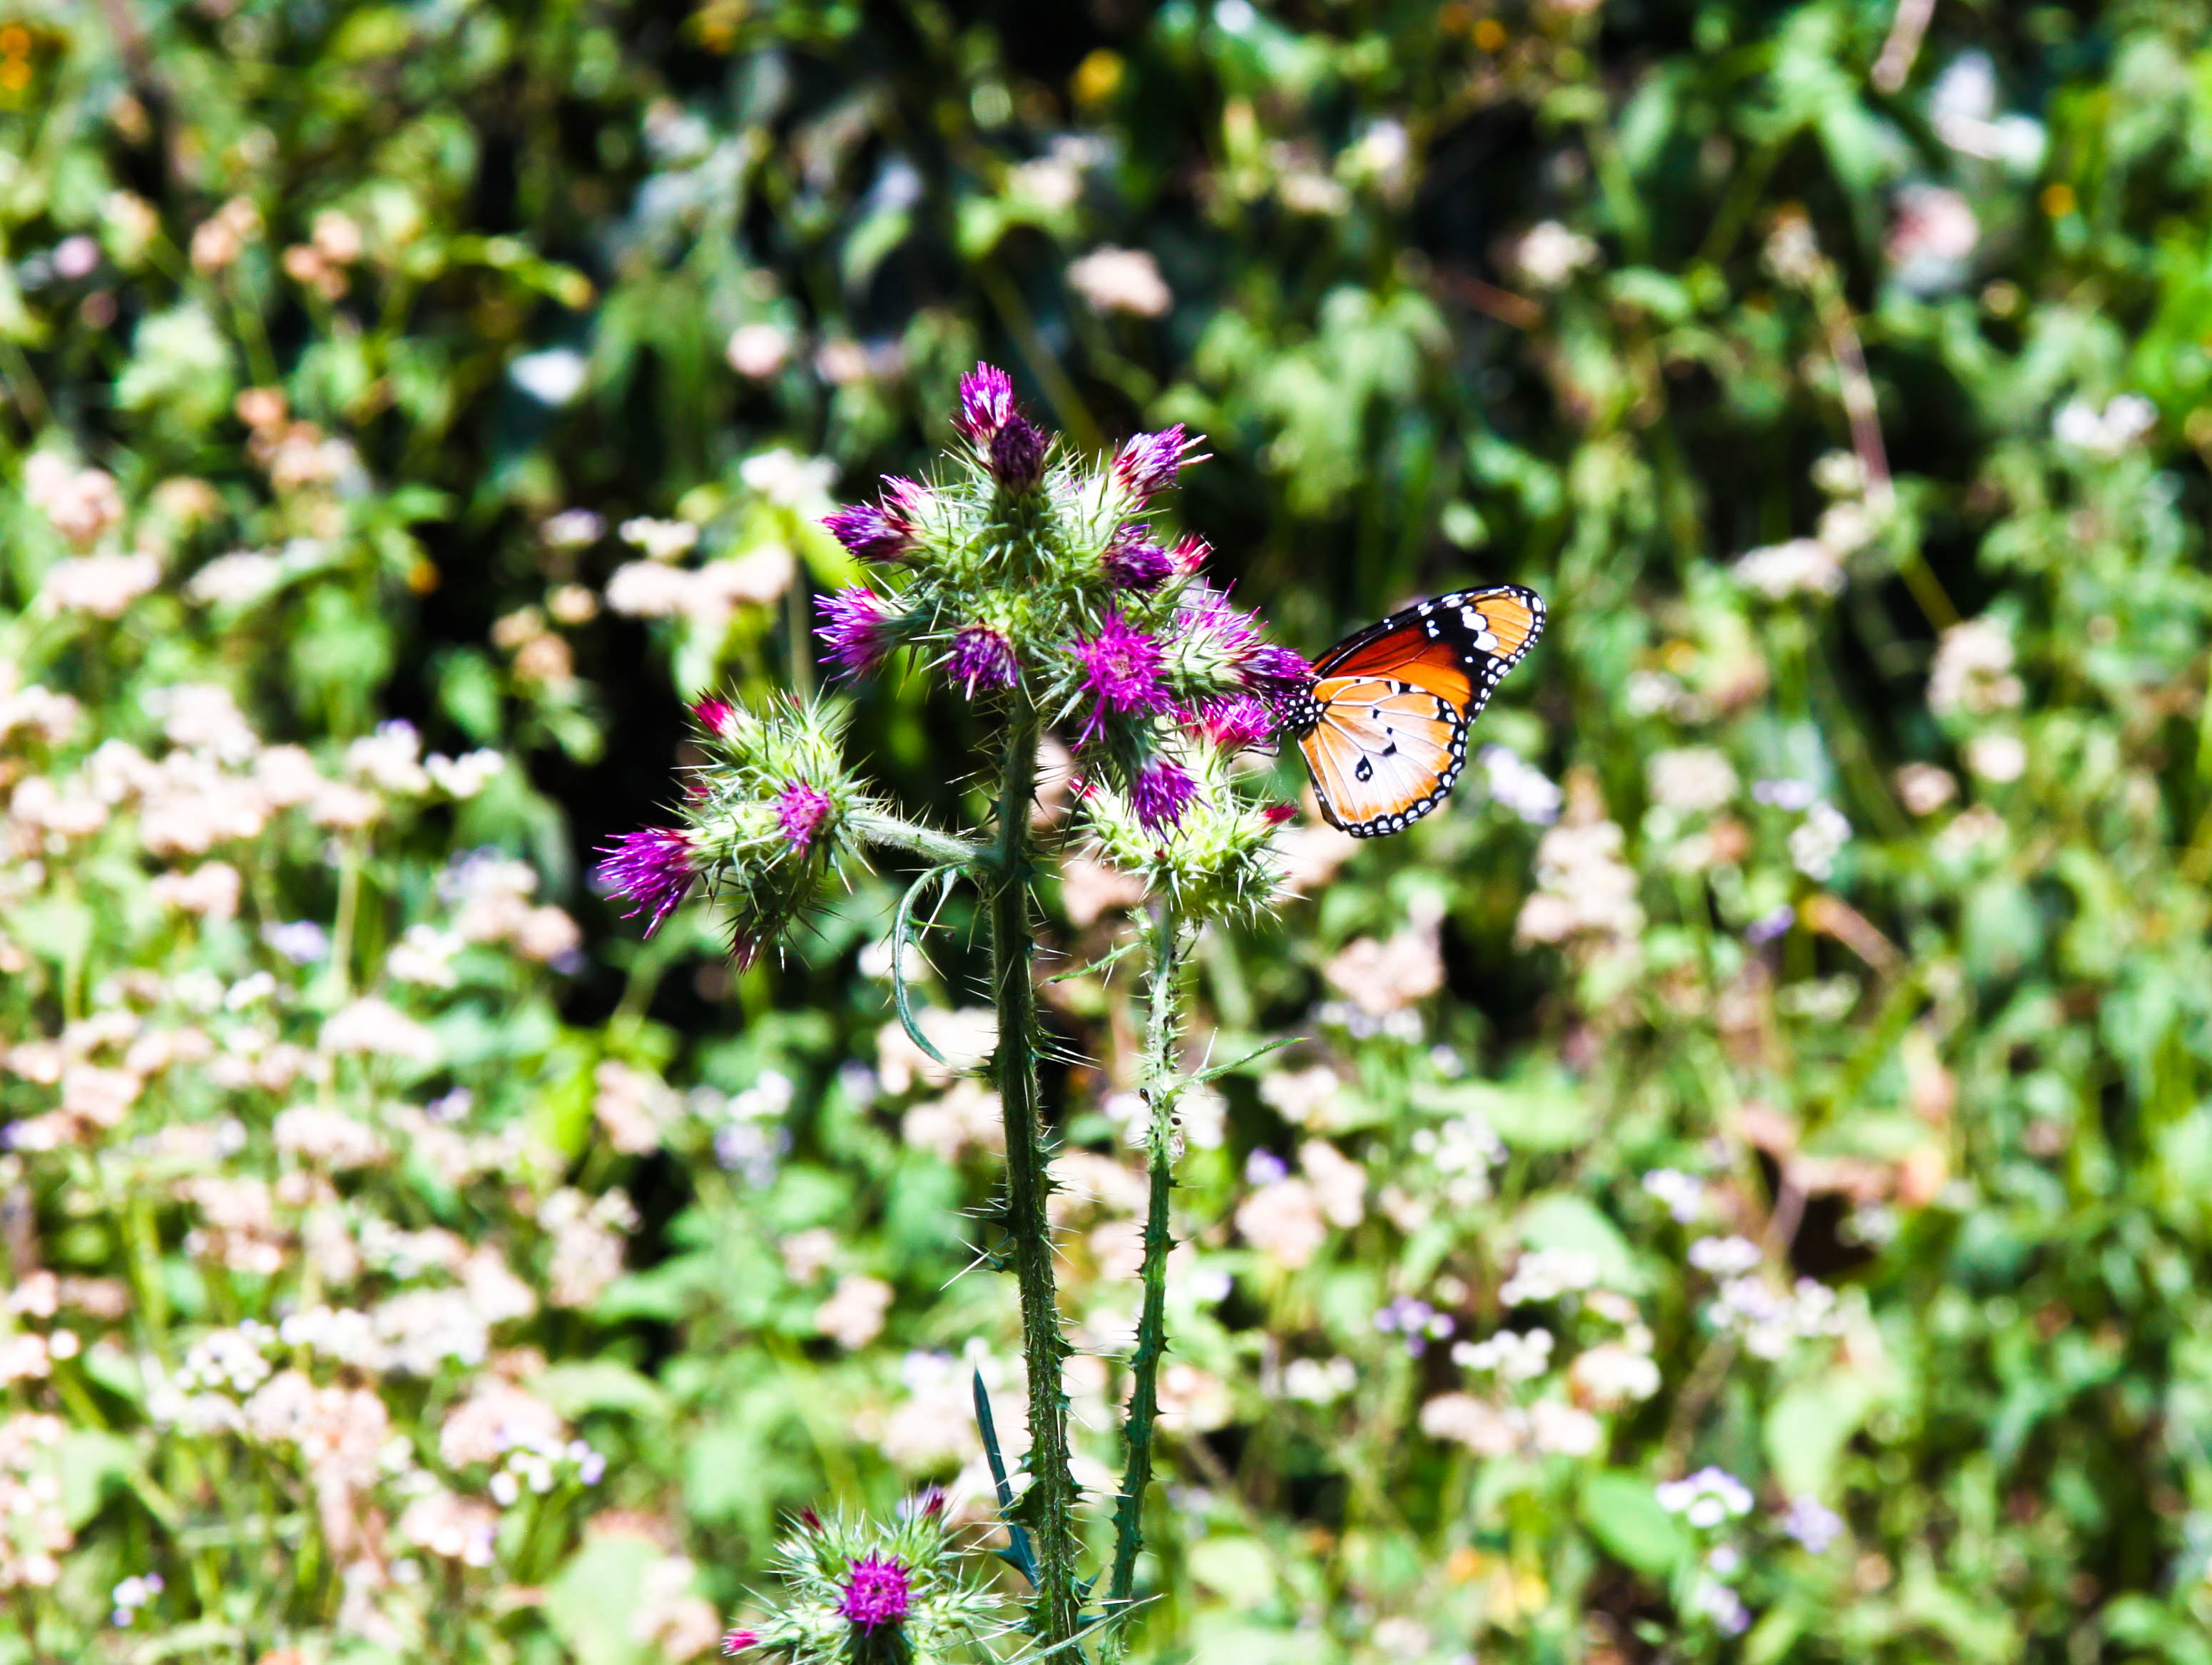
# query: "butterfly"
[[1383, 723]]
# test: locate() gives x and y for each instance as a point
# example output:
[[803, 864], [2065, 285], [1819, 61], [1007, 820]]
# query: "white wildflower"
[[1803, 566], [1548, 254], [1119, 280], [1520, 786], [661, 540], [102, 585], [1818, 839], [1691, 780]]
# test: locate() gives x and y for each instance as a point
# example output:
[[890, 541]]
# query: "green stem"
[[1170, 939], [1048, 1508], [942, 848]]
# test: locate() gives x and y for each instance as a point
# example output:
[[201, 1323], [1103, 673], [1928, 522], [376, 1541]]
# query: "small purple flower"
[[987, 400], [1812, 1523], [714, 715], [1276, 814], [869, 532], [1121, 668], [1189, 553], [1133, 562], [800, 812], [982, 658], [653, 868], [1272, 671], [1017, 453], [1160, 791], [1149, 462], [1237, 723], [1769, 926], [858, 633], [738, 1641], [876, 1592]]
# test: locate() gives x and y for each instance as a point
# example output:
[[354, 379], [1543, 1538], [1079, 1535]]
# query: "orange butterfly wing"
[[1383, 727]]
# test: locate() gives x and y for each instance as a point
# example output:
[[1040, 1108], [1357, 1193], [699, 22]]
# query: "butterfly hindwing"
[[1384, 727]]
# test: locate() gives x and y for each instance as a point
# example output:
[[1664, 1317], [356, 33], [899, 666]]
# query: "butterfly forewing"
[[1384, 733]]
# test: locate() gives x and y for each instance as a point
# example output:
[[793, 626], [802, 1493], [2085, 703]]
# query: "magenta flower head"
[[1120, 671], [1236, 724], [868, 532], [884, 531], [1159, 792], [1276, 814], [800, 812], [738, 1641], [1272, 671], [1189, 553], [876, 1592], [987, 401], [654, 868], [982, 659], [858, 633], [1134, 561], [1149, 463], [714, 715]]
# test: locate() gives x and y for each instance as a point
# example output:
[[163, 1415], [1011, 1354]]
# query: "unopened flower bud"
[[1017, 452]]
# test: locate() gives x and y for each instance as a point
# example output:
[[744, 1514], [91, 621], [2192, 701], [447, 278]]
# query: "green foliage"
[[1831, 909]]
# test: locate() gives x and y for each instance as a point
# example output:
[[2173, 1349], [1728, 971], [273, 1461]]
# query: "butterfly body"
[[1382, 726]]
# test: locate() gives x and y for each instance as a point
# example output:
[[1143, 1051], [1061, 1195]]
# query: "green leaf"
[[599, 1384], [1559, 1220], [589, 1602], [1619, 1508]]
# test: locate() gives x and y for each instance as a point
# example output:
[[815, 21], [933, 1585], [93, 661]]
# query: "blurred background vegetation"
[[1802, 1019]]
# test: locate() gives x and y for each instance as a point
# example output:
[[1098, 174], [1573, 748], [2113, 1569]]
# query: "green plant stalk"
[[1048, 1510], [1171, 953]]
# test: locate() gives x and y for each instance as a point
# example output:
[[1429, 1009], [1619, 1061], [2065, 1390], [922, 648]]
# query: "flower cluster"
[[766, 820], [1036, 578]]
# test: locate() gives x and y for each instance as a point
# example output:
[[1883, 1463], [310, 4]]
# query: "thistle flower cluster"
[[1031, 576], [869, 1592], [768, 819]]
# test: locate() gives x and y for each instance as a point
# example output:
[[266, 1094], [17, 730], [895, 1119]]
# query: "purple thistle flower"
[[868, 532], [1149, 462], [906, 501], [982, 658], [1133, 563], [1237, 723], [858, 633], [800, 812], [1275, 814], [1271, 670], [738, 1642], [876, 1592], [987, 400], [1162, 788], [1189, 553], [1121, 668], [883, 531], [714, 715], [653, 867], [1017, 454]]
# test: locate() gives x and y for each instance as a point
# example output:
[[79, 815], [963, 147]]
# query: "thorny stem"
[[1049, 1507], [1169, 941], [924, 842]]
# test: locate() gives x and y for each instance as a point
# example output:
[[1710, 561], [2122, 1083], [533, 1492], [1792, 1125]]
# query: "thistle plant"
[[869, 1592], [1040, 585]]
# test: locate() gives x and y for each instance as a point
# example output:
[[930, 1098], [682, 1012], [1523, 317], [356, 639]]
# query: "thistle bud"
[[1017, 452]]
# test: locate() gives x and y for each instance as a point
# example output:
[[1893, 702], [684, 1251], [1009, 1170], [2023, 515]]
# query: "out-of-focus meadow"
[[1741, 1187]]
